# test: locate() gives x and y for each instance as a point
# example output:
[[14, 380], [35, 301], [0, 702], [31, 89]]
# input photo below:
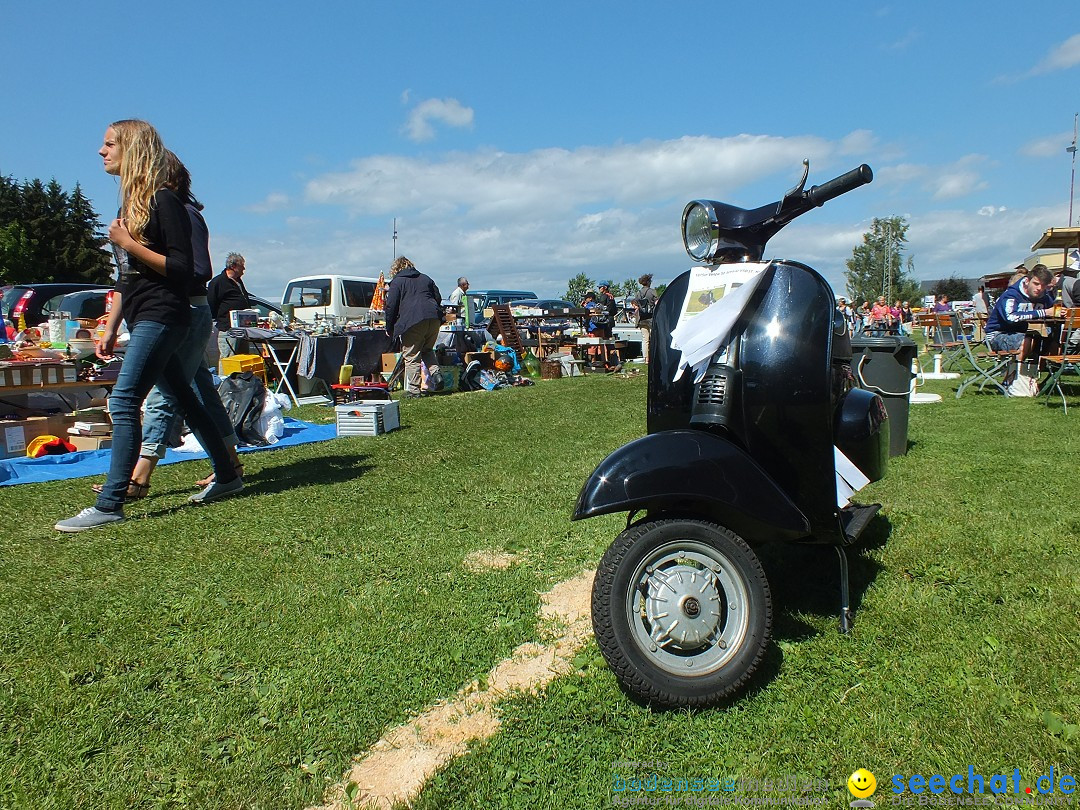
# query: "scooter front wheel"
[[682, 612]]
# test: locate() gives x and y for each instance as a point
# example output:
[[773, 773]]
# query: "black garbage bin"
[[883, 365]]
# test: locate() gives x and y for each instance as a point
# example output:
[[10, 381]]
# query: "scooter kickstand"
[[847, 617]]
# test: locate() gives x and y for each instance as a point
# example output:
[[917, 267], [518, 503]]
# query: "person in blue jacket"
[[1027, 300]]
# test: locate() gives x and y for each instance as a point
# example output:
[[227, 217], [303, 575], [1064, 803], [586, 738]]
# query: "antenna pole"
[[395, 236], [1072, 175]]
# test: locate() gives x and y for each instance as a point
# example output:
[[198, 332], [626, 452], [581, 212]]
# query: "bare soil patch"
[[396, 767]]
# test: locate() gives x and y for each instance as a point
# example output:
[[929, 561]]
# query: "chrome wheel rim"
[[687, 607]]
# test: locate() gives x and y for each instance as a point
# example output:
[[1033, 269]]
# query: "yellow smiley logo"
[[862, 784]]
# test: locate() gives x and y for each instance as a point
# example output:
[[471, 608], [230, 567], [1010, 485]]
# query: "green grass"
[[239, 654]]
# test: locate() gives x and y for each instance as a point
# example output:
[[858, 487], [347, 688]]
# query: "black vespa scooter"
[[681, 607]]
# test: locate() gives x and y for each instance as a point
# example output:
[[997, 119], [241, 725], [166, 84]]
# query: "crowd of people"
[[603, 309], [879, 318]]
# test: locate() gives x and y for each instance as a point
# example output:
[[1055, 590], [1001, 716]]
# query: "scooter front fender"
[[692, 472]]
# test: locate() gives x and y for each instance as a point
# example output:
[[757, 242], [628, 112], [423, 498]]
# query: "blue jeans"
[[162, 407], [1005, 341], [152, 355]]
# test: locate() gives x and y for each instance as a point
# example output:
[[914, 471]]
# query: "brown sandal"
[[205, 482], [135, 490]]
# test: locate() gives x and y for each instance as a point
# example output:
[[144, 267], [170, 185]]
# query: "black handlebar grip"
[[819, 195]]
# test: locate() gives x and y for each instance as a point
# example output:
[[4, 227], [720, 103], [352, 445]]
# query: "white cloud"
[[861, 141], [958, 179], [275, 201], [956, 184], [531, 220], [486, 184], [1052, 146], [1062, 57], [943, 182], [904, 42], [448, 111]]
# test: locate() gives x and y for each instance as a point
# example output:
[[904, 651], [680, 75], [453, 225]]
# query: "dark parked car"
[[37, 301], [264, 306], [88, 304], [543, 303]]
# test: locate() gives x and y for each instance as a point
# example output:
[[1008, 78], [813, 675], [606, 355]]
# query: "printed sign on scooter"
[[715, 298]]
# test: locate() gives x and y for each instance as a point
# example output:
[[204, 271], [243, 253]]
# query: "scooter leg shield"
[[692, 472]]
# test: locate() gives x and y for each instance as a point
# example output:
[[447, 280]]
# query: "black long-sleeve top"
[[147, 295], [224, 295]]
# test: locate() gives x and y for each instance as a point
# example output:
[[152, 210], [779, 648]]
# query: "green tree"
[[48, 235], [956, 288], [878, 266], [577, 287], [16, 252]]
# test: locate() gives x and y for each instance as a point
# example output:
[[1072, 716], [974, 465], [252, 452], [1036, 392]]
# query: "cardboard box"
[[37, 374], [90, 442], [389, 361], [15, 435], [484, 358]]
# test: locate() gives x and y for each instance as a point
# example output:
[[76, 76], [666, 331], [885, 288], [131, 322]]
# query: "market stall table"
[[320, 357]]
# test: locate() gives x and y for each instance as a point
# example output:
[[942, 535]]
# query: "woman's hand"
[[107, 344], [119, 236]]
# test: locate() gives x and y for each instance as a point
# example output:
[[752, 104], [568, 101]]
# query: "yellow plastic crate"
[[244, 362]]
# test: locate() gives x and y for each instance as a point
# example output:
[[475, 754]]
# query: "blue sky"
[[522, 143]]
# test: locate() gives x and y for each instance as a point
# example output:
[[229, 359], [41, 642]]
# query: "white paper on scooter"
[[715, 298], [849, 478]]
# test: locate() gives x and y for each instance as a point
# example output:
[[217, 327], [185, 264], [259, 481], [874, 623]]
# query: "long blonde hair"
[[144, 169]]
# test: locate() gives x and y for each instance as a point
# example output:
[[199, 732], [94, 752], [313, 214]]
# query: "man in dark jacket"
[[414, 313], [225, 293]]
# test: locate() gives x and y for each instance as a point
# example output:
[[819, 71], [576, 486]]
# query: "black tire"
[[706, 655]]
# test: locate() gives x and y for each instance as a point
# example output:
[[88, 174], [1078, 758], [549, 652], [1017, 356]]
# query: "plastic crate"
[[244, 362], [367, 418]]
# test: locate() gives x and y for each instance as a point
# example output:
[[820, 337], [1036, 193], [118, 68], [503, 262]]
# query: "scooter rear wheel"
[[682, 612]]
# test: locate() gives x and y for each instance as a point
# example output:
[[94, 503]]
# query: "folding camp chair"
[[988, 366], [1067, 361], [946, 337]]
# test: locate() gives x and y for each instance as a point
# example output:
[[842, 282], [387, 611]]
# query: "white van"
[[346, 297]]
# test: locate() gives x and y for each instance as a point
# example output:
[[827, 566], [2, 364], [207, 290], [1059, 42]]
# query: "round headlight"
[[701, 235]]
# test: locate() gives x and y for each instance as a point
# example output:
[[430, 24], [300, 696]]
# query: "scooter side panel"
[[785, 356], [692, 472], [669, 402]]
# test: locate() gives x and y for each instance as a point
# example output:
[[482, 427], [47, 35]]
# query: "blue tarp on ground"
[[96, 462]]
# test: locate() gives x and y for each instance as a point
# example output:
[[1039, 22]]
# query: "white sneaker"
[[89, 518], [215, 490]]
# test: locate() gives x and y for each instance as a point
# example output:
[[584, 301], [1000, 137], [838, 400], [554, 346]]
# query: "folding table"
[[273, 348]]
